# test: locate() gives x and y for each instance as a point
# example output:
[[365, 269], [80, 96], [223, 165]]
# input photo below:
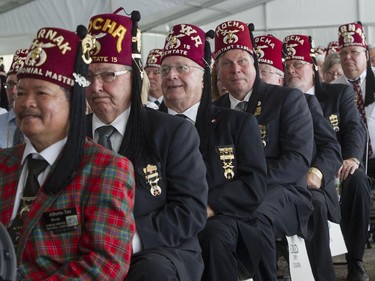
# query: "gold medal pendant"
[[334, 120], [227, 156], [263, 134], [152, 179]]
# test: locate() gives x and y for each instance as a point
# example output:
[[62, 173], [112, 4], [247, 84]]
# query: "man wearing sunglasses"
[[171, 187]]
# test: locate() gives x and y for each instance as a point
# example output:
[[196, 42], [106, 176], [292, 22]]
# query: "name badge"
[[60, 221]]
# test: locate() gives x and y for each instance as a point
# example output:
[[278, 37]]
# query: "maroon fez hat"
[[269, 50], [351, 35], [185, 40], [232, 35], [154, 58], [18, 61], [333, 47], [52, 57], [299, 47], [113, 34]]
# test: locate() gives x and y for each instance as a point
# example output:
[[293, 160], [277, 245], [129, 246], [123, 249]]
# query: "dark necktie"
[[18, 137], [157, 102], [35, 167], [361, 106], [105, 133], [241, 106], [183, 116]]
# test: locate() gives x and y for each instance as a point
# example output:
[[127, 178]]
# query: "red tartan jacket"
[[101, 193]]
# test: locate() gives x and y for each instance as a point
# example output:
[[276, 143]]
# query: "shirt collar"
[[49, 154], [119, 123], [362, 77], [234, 101], [191, 112], [311, 91]]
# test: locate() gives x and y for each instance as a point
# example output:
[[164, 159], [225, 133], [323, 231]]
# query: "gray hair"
[[330, 60]]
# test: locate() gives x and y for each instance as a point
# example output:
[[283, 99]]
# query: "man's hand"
[[313, 181], [210, 212], [348, 167]]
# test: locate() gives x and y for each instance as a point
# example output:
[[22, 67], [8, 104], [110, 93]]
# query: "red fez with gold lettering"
[[113, 34], [231, 35], [351, 35], [18, 61], [332, 47], [299, 47], [52, 57], [154, 58], [185, 40], [269, 50]]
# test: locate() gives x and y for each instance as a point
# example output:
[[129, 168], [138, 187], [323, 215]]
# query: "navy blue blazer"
[[287, 133], [326, 156], [337, 102], [173, 219]]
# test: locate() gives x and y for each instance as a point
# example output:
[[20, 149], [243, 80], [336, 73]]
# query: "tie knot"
[[356, 82], [183, 116], [36, 166], [241, 106], [106, 131]]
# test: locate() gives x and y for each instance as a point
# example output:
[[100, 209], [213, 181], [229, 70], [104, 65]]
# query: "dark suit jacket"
[[239, 196], [173, 219], [287, 132], [326, 156], [102, 193], [337, 102]]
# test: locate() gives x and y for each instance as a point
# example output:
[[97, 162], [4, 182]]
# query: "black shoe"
[[356, 271]]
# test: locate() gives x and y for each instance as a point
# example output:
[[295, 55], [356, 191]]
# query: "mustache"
[[29, 112]]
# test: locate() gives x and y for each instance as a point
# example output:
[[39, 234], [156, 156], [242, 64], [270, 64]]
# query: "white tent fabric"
[[318, 18]]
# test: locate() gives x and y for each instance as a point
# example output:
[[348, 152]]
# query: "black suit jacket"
[[173, 219], [326, 156], [239, 196], [337, 102], [287, 132]]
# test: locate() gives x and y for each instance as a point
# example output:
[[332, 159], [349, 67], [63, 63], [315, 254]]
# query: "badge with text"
[[152, 179], [60, 221], [227, 156], [334, 120]]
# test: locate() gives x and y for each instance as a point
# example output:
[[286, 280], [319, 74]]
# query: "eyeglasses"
[[266, 72], [334, 74], [295, 64], [106, 76], [182, 69], [352, 53], [229, 64], [155, 72], [10, 85]]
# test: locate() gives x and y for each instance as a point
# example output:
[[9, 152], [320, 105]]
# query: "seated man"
[[171, 187], [287, 133], [66, 201], [11, 134], [232, 151]]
